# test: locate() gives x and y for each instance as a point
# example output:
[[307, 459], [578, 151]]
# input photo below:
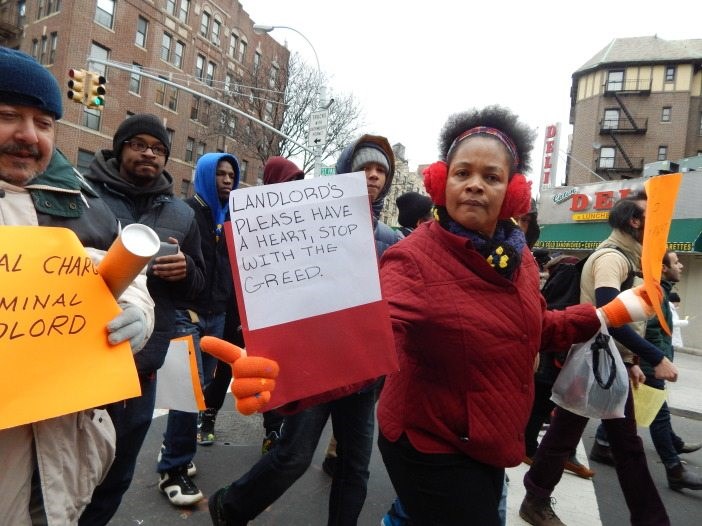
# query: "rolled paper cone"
[[127, 256]]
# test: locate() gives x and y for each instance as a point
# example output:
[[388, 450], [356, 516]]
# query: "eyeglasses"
[[141, 146]]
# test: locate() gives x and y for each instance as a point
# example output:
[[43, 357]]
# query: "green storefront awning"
[[685, 236]]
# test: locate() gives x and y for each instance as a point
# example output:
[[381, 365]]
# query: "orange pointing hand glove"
[[630, 305], [254, 376]]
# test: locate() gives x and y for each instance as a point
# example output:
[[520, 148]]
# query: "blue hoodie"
[[206, 184]]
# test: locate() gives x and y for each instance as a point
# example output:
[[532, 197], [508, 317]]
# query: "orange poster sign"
[[54, 306], [662, 192]]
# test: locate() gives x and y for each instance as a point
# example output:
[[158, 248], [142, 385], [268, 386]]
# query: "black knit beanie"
[[145, 123], [412, 206]]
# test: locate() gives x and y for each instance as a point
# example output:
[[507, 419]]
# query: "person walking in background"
[[39, 187], [468, 321], [678, 322], [668, 444], [132, 179], [413, 209], [216, 174], [604, 275], [351, 407]]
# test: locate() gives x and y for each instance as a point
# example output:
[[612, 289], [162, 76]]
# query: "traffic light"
[[76, 85], [96, 91]]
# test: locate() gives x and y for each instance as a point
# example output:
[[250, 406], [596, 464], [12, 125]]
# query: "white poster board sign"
[[313, 235]]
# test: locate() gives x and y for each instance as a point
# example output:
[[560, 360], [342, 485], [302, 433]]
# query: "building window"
[[161, 91], [44, 50], [243, 166], [611, 119], [91, 118], [21, 12], [256, 62], [216, 29], [189, 147], [195, 108], [615, 80], [105, 12], [199, 67], [700, 130], [135, 79], [200, 151], [273, 76], [228, 80], [209, 78], [52, 47], [166, 41], [242, 50], [171, 7], [204, 24], [35, 49], [84, 161], [662, 153], [205, 113], [670, 73], [184, 188], [268, 112], [606, 157], [184, 10], [172, 98], [666, 113], [233, 42], [142, 27], [178, 54], [171, 135]]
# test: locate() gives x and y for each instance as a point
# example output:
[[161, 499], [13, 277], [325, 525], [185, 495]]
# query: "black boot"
[[601, 454], [680, 478]]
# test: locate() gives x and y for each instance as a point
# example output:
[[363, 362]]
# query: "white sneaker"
[[179, 488], [192, 469]]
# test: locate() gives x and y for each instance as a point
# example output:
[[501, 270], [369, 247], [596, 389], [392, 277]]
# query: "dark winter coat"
[[655, 333], [158, 208], [466, 340]]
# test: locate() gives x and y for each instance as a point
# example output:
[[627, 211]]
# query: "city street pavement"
[[305, 504]]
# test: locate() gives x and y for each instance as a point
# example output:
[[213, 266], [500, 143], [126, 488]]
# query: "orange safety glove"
[[253, 376], [629, 306]]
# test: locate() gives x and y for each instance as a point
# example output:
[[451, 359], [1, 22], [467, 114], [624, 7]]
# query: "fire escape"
[[623, 165], [11, 23]]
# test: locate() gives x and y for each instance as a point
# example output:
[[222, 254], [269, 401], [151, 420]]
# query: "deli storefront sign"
[[575, 218]]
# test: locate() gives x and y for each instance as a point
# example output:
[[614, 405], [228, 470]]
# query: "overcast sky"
[[411, 67]]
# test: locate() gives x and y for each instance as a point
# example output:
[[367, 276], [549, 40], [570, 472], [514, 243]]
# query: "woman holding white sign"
[[468, 321]]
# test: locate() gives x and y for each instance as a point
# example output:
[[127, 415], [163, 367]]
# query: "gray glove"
[[130, 325]]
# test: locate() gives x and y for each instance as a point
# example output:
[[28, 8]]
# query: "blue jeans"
[[180, 438], [353, 422], [131, 419]]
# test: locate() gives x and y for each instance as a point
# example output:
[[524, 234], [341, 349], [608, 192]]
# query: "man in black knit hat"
[[131, 178], [413, 209]]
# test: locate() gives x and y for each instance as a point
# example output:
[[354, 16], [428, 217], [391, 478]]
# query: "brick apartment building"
[[637, 101], [206, 46]]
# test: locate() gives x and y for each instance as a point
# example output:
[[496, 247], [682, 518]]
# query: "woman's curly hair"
[[494, 116]]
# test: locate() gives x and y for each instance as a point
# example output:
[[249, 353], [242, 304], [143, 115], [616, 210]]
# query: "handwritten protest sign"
[[178, 381], [54, 307], [662, 192], [306, 277]]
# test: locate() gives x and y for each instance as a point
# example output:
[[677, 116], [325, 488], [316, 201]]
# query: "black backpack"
[[562, 288]]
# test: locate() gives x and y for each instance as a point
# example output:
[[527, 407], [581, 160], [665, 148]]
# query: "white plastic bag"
[[594, 382]]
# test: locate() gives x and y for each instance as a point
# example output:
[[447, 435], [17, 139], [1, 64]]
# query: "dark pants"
[[666, 442], [131, 419], [442, 489], [216, 390], [352, 421], [540, 413], [640, 493]]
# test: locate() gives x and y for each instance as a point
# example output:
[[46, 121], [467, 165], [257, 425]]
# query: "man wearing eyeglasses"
[[132, 180]]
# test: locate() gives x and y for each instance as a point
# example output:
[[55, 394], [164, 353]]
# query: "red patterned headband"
[[486, 130]]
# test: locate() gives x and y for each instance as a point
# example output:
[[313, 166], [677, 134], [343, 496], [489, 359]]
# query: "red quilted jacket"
[[466, 339]]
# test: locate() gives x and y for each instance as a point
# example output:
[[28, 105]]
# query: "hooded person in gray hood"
[[373, 155]]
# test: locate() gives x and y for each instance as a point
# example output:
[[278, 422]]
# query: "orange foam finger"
[[225, 351], [251, 404], [255, 367], [243, 387]]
